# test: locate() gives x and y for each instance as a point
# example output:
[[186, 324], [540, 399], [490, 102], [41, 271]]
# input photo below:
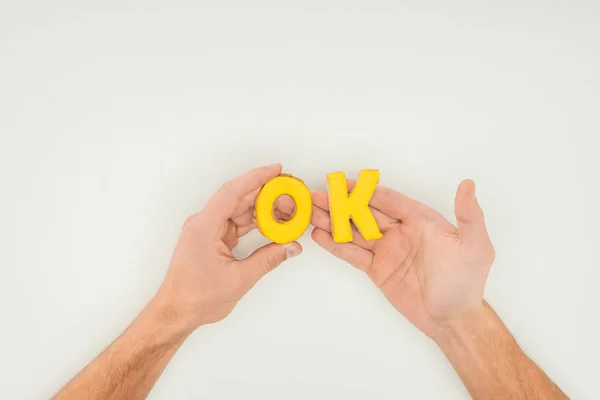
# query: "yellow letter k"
[[355, 206]]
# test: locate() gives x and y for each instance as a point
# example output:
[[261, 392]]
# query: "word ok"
[[342, 207]]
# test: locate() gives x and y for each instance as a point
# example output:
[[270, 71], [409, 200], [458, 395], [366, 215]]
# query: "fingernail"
[[292, 250]]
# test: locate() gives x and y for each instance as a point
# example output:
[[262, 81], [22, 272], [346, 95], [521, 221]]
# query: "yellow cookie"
[[343, 206], [283, 231]]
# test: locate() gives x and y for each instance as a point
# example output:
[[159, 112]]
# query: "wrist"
[[168, 323], [459, 329]]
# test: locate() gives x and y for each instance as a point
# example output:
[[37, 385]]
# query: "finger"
[[388, 219], [187, 220], [469, 215], [387, 203], [241, 215], [227, 198], [244, 230], [281, 216], [396, 205], [392, 258], [246, 221], [322, 220], [246, 204], [349, 252], [231, 236], [267, 258], [284, 205], [284, 208], [321, 200]]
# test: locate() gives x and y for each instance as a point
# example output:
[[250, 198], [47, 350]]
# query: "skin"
[[431, 271], [203, 284], [434, 273]]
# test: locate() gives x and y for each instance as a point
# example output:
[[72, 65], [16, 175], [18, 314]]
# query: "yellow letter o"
[[283, 231]]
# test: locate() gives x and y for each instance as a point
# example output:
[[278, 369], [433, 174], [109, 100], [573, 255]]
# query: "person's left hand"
[[204, 281], [431, 271]]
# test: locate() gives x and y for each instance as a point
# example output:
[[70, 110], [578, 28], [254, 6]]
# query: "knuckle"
[[334, 249], [492, 254], [229, 188], [487, 253], [226, 187], [478, 214], [271, 262], [188, 219]]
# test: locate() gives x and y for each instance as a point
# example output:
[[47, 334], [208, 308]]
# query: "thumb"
[[469, 215], [267, 258]]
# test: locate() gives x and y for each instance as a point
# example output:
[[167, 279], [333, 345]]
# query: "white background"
[[117, 120]]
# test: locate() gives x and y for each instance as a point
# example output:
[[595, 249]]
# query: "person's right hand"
[[205, 281], [430, 270]]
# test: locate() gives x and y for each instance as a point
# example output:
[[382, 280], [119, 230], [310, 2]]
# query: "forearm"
[[490, 362], [130, 366]]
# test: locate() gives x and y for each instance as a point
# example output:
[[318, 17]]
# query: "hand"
[[430, 270], [204, 281]]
